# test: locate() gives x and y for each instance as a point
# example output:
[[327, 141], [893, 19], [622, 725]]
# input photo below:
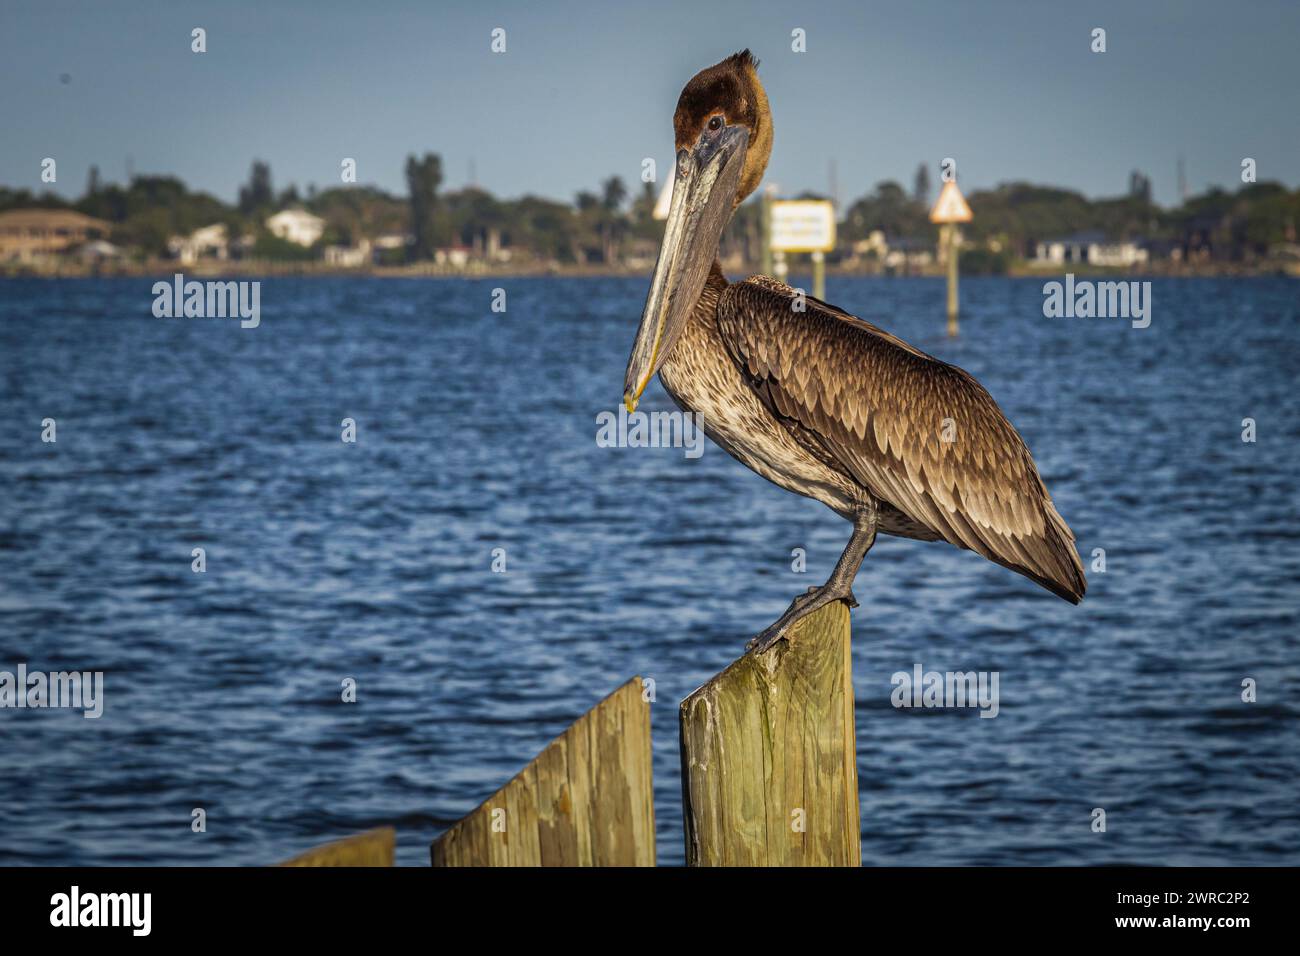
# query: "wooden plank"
[[768, 747], [372, 848], [642, 794], [585, 800], [556, 833]]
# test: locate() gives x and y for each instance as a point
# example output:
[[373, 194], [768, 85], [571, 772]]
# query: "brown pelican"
[[817, 400]]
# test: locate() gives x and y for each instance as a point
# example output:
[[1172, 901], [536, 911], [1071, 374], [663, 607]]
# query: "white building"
[[1117, 254], [874, 245], [210, 242], [348, 257], [97, 250], [455, 256], [909, 255], [296, 226], [1088, 247]]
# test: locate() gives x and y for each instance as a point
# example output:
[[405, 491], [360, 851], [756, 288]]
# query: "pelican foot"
[[800, 607], [761, 642], [802, 599]]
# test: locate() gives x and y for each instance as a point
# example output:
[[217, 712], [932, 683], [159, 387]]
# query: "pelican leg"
[[838, 587]]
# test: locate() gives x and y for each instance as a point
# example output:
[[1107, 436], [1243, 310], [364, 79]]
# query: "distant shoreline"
[[264, 268]]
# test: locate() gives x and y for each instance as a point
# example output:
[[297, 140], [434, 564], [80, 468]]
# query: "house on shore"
[[456, 256], [898, 256], [349, 257], [297, 226], [210, 242], [28, 234], [1088, 248], [98, 251], [875, 246], [908, 256]]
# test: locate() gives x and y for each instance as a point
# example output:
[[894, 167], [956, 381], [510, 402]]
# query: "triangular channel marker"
[[950, 206]]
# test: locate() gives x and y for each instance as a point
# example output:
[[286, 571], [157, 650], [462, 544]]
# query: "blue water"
[[476, 431]]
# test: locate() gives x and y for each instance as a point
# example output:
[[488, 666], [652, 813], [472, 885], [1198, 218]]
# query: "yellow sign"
[[951, 205], [803, 225]]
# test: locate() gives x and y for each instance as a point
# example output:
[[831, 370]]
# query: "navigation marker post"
[[950, 209]]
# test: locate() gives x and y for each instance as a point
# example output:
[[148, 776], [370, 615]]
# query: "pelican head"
[[723, 132]]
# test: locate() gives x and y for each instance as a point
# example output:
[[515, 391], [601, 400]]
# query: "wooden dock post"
[[769, 758], [372, 848], [586, 800]]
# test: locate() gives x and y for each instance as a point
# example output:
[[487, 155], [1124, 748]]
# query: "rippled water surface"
[[476, 431]]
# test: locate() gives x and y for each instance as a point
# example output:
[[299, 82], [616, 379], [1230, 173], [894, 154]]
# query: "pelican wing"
[[920, 434]]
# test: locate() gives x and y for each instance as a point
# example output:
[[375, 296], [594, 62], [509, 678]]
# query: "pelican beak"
[[704, 194]]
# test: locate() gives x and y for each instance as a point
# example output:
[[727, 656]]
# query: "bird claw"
[[760, 643], [779, 630], [802, 599]]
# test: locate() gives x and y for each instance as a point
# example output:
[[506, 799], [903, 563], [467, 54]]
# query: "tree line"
[[611, 224]]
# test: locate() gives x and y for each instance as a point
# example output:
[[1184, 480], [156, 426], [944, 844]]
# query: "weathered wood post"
[[372, 848], [586, 800], [948, 240], [769, 758], [819, 275]]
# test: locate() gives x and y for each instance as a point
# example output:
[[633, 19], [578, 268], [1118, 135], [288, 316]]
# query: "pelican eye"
[[715, 123]]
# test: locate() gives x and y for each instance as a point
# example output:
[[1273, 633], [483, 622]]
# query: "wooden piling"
[[953, 256], [372, 848], [950, 209], [586, 800], [769, 757]]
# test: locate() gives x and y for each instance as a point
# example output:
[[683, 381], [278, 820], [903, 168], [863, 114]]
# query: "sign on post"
[[803, 225], [950, 209], [951, 206]]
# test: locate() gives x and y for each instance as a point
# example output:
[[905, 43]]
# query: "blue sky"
[[586, 90]]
